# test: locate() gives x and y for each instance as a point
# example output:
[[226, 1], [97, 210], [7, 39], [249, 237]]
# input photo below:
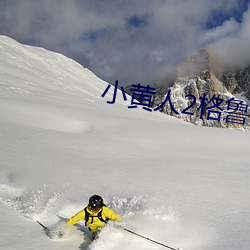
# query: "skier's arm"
[[77, 217], [110, 214]]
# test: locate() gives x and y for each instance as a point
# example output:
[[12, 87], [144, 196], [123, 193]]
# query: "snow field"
[[60, 142]]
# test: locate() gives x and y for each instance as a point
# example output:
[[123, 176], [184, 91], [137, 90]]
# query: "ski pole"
[[146, 238], [45, 228]]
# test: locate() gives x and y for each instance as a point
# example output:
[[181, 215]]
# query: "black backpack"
[[88, 216]]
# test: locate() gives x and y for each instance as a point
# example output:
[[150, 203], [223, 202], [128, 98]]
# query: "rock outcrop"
[[196, 80]]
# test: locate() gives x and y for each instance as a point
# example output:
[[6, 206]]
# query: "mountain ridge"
[[199, 75]]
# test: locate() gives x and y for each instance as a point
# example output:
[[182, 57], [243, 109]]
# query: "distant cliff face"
[[196, 81], [203, 95], [237, 81]]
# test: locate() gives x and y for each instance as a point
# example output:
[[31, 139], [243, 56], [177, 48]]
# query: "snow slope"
[[61, 142]]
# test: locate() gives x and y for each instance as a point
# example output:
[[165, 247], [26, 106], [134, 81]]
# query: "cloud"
[[228, 28], [132, 41], [233, 49]]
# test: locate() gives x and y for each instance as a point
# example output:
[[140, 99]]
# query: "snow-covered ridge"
[[33, 74], [50, 68]]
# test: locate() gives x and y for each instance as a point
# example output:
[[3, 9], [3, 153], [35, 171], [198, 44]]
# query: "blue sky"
[[218, 17], [134, 40]]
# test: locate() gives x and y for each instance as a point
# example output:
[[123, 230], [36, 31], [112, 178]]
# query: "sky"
[[133, 41]]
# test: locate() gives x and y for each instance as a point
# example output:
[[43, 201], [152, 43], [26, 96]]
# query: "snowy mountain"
[[61, 142], [197, 76]]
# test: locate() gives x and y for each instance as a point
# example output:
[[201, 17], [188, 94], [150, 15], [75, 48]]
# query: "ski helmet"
[[95, 202]]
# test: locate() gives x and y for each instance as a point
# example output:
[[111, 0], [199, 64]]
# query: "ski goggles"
[[94, 208]]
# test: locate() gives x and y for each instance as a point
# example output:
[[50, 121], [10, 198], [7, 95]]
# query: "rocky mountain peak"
[[195, 77], [199, 77], [194, 65]]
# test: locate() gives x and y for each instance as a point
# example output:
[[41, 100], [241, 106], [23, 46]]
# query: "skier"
[[95, 214]]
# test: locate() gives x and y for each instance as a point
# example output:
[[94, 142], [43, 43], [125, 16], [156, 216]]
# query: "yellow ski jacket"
[[94, 223]]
